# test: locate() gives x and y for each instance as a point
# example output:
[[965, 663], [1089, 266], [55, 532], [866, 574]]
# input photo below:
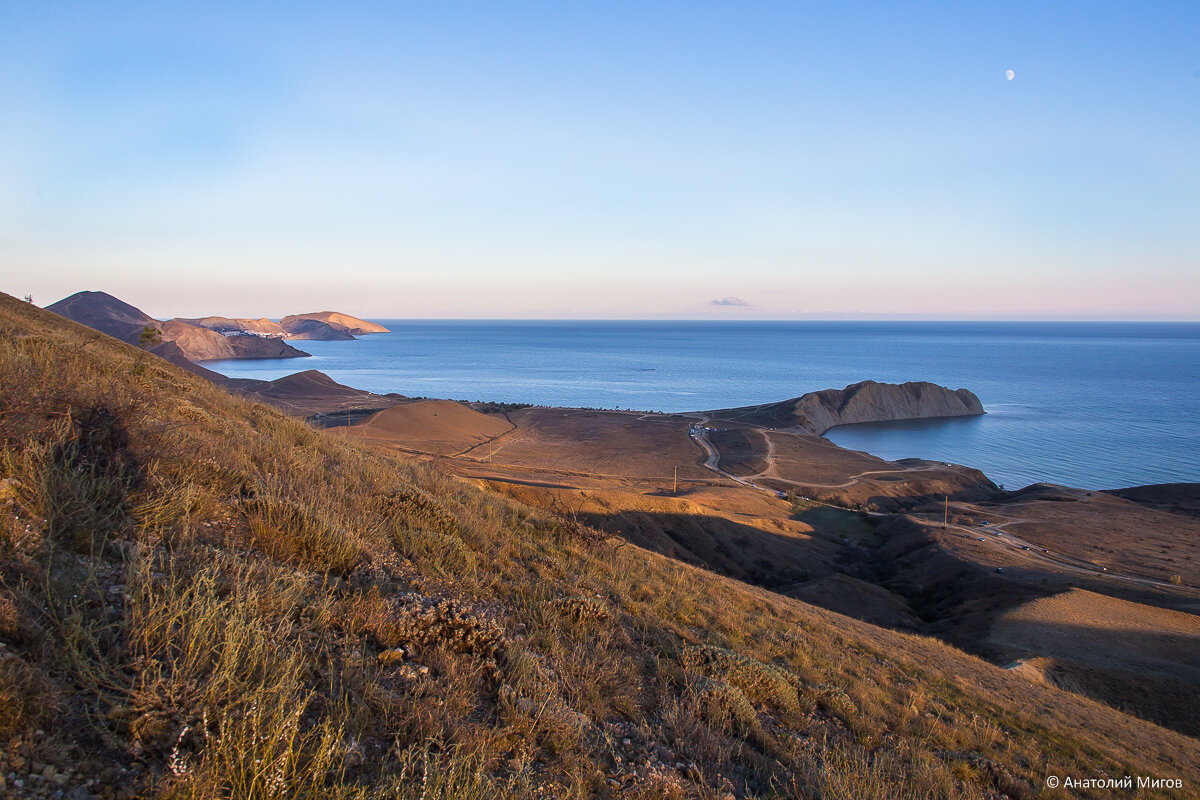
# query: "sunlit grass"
[[205, 587]]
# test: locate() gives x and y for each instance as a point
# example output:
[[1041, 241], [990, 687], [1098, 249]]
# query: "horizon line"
[[813, 318]]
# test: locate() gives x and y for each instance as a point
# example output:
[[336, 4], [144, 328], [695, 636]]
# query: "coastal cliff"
[[869, 401]]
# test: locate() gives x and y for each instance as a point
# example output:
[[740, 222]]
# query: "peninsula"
[[868, 401]]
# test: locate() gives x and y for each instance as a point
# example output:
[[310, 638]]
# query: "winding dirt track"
[[1002, 539], [998, 537], [772, 470]]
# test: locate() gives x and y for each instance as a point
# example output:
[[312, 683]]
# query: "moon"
[[1009, 74]]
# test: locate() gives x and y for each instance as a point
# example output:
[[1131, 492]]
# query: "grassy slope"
[[195, 593]]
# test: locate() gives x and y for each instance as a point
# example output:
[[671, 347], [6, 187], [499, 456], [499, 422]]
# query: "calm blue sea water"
[[1094, 405]]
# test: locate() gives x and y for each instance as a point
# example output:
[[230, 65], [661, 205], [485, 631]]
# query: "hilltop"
[[313, 394], [202, 597]]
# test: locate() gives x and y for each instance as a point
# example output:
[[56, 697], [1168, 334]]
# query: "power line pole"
[[675, 488], [946, 514]]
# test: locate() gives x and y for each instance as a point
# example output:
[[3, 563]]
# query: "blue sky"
[[605, 159]]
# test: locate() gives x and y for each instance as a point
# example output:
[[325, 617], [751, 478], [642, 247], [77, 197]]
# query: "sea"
[[1090, 405]]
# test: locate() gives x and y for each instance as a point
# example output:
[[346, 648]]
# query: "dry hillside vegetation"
[[203, 598]]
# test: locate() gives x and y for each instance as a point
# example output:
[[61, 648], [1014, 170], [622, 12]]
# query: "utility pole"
[[946, 514], [675, 488]]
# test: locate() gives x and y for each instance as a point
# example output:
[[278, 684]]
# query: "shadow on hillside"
[[1152, 675]]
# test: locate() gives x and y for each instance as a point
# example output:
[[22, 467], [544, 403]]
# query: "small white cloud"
[[728, 301]]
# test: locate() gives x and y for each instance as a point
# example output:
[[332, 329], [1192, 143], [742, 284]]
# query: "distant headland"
[[209, 338]]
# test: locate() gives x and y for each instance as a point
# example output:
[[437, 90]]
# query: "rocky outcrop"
[[342, 322], [314, 329], [882, 402]]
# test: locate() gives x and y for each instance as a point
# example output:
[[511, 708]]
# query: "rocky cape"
[[867, 401]]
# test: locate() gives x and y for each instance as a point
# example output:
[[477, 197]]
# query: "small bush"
[[727, 707], [443, 552], [419, 511], [581, 609], [27, 696], [441, 622], [764, 684]]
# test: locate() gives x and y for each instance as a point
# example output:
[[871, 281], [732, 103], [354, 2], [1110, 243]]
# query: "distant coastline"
[[1095, 405]]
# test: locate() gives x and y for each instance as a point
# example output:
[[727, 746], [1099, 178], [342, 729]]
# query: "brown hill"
[[440, 427], [339, 321], [311, 392], [105, 313], [867, 401]]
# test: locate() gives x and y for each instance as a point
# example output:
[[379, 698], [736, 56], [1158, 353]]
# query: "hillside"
[[201, 597]]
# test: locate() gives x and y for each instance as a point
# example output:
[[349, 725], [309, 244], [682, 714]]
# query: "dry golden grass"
[[198, 590]]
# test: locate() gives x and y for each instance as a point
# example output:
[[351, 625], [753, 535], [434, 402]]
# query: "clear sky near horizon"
[[612, 160]]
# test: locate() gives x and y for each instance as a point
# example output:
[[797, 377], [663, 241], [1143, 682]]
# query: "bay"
[[1093, 405]]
